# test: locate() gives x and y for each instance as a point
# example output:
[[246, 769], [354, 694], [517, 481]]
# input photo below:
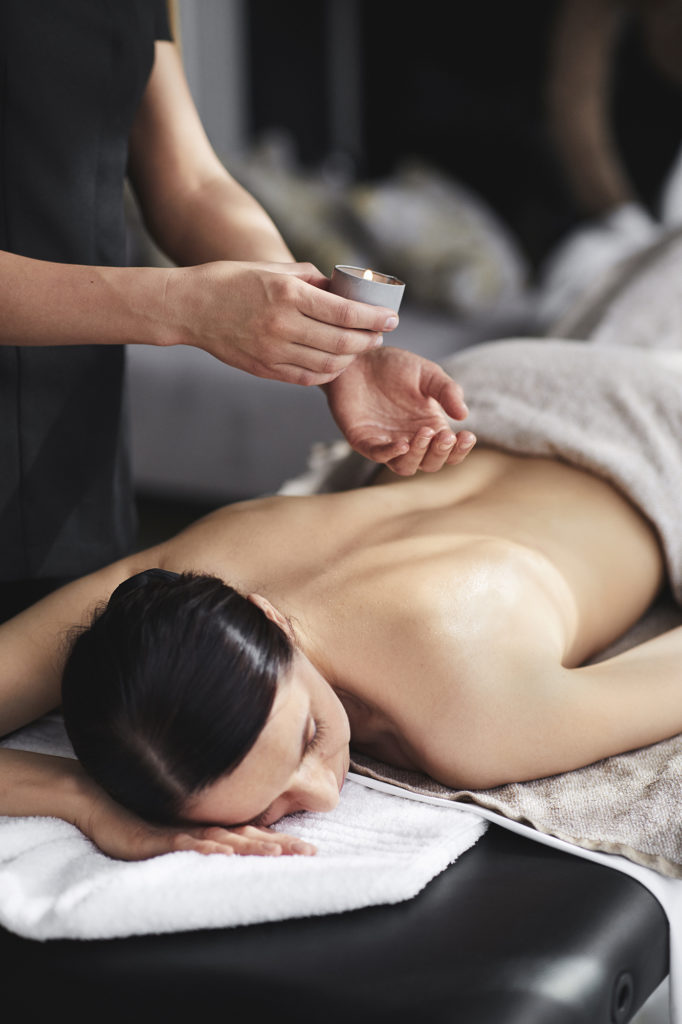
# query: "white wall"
[[214, 53]]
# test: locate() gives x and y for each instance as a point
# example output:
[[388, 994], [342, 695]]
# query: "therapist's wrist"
[[181, 301], [153, 303]]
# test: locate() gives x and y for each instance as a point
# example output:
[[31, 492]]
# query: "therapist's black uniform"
[[72, 73]]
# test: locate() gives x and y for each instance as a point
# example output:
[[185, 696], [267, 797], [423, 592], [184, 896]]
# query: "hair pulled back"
[[169, 688]]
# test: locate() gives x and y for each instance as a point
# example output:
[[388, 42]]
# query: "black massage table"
[[514, 932]]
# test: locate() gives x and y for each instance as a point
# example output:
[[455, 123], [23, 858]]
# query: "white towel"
[[373, 848]]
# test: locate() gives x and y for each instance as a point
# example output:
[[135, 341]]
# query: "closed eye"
[[317, 737], [261, 820]]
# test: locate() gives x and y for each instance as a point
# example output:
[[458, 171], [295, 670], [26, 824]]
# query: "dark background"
[[462, 86]]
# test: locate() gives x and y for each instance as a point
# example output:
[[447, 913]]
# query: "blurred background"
[[498, 160]]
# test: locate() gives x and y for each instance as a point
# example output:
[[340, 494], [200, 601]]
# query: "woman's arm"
[[57, 787], [628, 701], [34, 644], [539, 718]]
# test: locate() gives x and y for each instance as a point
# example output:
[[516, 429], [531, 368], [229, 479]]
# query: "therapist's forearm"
[[195, 210], [46, 303], [218, 220]]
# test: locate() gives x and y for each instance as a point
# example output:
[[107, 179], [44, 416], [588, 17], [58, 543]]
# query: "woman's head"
[[298, 762], [170, 687]]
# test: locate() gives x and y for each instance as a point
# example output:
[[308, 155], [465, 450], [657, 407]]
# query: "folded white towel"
[[373, 848]]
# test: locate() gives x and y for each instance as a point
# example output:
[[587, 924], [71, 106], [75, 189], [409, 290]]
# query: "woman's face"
[[298, 763]]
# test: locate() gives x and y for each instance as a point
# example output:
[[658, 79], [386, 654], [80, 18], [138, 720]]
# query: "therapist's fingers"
[[430, 450], [347, 314], [381, 450], [465, 442], [446, 391], [305, 364], [271, 322], [439, 449], [408, 463], [448, 449]]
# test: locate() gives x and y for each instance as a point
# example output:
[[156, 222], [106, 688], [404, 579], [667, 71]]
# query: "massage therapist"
[[92, 91]]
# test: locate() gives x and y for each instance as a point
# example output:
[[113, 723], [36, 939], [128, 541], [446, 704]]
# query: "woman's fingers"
[[245, 841], [269, 841]]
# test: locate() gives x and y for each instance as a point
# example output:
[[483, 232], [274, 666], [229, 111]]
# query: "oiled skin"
[[448, 611]]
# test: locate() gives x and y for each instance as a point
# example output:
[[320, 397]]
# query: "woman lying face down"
[[446, 623], [443, 621], [204, 711]]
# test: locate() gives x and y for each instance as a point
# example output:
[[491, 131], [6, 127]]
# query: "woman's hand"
[[47, 785], [274, 320], [247, 840], [122, 835], [393, 407]]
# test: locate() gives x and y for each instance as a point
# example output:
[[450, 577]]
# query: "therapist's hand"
[[274, 320], [393, 407]]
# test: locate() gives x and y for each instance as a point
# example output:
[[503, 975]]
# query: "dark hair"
[[169, 688]]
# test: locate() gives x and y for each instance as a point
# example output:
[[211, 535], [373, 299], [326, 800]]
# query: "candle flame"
[[368, 275]]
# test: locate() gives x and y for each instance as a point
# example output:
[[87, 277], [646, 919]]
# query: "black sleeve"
[[161, 22]]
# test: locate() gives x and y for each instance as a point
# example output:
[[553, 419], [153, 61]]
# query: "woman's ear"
[[272, 613]]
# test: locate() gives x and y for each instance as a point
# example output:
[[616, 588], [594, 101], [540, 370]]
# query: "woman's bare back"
[[416, 597], [570, 540]]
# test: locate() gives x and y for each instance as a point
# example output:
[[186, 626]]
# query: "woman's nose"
[[318, 791]]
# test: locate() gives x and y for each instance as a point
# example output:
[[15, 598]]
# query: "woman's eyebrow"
[[259, 819]]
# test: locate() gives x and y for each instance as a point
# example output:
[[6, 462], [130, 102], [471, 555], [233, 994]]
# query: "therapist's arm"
[[193, 208], [237, 293], [395, 407], [266, 319]]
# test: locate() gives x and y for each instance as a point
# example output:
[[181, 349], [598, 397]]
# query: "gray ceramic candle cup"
[[377, 290]]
